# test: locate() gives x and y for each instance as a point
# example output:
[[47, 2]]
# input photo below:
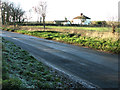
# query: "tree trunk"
[[0, 18], [19, 19], [3, 18], [8, 16], [44, 22], [14, 24], [40, 19], [113, 28], [14, 19]]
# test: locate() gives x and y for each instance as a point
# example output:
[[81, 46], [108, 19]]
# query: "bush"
[[99, 23]]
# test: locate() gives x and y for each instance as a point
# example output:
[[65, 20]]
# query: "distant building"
[[82, 19], [63, 22]]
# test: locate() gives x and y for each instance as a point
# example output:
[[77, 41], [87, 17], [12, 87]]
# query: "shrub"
[[99, 23]]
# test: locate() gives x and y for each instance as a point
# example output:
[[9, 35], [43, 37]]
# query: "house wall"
[[66, 23], [62, 22], [87, 22], [78, 21]]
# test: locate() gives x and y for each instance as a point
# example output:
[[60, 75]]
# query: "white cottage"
[[82, 19]]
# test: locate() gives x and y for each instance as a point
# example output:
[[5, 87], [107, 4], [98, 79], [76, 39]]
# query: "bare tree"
[[13, 14], [27, 15], [3, 11], [19, 14], [37, 10], [113, 23], [6, 12], [41, 10], [10, 13]]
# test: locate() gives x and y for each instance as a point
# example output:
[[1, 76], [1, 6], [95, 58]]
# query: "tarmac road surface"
[[87, 66]]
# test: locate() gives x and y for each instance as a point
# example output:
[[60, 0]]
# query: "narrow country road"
[[87, 66]]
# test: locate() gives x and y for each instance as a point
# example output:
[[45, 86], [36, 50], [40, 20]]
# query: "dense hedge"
[[97, 24]]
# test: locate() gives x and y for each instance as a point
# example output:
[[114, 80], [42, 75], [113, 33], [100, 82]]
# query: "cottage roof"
[[82, 17]]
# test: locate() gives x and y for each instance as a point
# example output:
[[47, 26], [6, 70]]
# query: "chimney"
[[81, 14]]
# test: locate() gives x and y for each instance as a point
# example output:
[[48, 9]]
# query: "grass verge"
[[101, 29], [22, 71]]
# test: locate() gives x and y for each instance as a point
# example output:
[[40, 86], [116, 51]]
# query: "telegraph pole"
[[119, 11], [0, 48], [0, 14]]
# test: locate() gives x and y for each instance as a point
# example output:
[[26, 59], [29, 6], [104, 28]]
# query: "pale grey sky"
[[59, 9]]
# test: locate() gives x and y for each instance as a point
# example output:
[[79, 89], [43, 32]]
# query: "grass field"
[[76, 28], [67, 28], [101, 29]]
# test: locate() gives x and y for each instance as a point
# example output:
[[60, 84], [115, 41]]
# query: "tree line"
[[15, 14], [11, 13]]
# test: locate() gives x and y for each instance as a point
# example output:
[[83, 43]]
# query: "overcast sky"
[[59, 9]]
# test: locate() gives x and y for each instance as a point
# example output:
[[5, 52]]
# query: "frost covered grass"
[[20, 70], [0, 62]]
